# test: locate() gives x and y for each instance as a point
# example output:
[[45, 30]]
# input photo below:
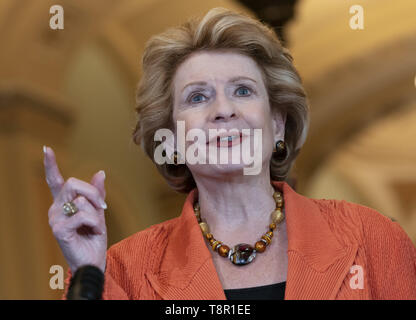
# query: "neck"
[[236, 206]]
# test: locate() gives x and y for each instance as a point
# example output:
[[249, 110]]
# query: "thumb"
[[98, 181]]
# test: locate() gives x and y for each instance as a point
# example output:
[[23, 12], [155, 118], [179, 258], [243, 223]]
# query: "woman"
[[241, 234]]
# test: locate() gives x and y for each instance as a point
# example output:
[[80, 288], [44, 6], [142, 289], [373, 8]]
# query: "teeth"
[[229, 138]]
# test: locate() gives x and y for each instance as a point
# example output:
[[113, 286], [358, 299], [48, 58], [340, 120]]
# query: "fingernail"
[[44, 149], [103, 204], [103, 173]]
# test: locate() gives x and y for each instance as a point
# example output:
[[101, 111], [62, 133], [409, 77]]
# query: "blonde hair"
[[219, 29]]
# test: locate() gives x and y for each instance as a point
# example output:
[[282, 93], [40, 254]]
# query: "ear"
[[279, 124]]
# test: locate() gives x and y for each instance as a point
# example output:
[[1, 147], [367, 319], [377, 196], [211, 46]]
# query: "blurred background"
[[73, 90]]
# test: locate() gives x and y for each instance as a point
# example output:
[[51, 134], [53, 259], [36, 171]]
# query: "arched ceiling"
[[352, 77]]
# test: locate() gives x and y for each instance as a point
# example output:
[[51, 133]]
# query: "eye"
[[244, 90], [192, 99]]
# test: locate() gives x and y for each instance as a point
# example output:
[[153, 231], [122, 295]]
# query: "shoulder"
[[363, 221], [377, 233], [390, 255]]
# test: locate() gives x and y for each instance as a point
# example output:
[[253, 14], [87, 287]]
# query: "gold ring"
[[70, 208]]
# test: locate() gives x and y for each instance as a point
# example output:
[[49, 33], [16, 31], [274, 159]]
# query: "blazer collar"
[[314, 255]]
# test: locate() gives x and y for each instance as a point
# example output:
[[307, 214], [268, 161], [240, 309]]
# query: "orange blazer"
[[328, 241]]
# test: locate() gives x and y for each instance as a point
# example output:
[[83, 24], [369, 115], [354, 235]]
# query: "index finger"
[[53, 175]]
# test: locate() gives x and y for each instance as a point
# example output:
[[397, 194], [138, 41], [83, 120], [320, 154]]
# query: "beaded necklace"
[[243, 253]]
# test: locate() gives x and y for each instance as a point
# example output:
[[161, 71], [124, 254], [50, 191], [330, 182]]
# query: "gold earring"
[[280, 150]]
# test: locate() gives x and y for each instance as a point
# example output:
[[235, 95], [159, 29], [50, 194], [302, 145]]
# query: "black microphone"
[[86, 284]]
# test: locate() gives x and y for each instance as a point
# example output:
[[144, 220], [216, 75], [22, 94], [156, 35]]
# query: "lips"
[[227, 140]]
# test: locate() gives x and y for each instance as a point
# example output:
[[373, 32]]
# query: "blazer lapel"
[[317, 262]]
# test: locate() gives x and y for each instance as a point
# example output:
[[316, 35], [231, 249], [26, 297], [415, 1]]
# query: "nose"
[[223, 110]]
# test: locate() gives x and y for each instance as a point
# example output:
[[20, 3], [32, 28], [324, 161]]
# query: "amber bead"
[[260, 246], [223, 250], [211, 241], [209, 236], [204, 227], [272, 226], [270, 234], [268, 240], [277, 216], [277, 196], [215, 244]]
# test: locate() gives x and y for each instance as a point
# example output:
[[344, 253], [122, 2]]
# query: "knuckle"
[[51, 223], [59, 180], [88, 217], [81, 215], [56, 230], [81, 201], [71, 180], [51, 211]]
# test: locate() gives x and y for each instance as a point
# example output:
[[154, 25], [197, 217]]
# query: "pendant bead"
[[243, 254]]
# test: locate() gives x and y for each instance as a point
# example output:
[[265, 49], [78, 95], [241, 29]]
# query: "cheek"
[[189, 120], [262, 119], [257, 116]]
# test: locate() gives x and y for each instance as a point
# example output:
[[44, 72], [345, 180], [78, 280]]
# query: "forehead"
[[215, 66]]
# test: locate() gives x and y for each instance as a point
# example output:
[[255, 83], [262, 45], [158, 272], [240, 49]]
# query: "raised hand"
[[82, 236]]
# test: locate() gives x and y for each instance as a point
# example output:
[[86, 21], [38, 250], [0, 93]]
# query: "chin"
[[218, 170]]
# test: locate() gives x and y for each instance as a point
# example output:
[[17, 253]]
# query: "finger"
[[98, 181], [74, 187], [79, 220], [54, 178], [81, 203], [87, 219]]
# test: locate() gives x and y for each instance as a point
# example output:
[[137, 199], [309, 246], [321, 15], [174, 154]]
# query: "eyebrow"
[[234, 79]]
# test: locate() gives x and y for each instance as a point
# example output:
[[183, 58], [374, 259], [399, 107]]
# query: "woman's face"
[[225, 90]]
